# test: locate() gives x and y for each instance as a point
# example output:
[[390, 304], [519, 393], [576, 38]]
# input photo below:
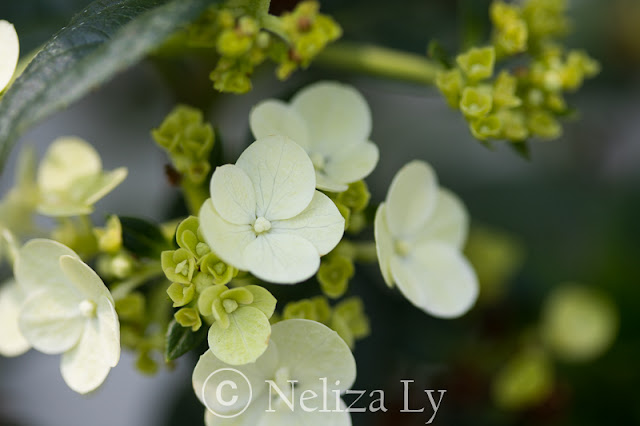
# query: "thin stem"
[[195, 195], [125, 287], [379, 61]]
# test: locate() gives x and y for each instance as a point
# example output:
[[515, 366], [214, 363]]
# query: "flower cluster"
[[527, 101]]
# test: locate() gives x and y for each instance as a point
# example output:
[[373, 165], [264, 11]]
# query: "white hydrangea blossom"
[[420, 231], [332, 122], [12, 342], [300, 350], [68, 310], [9, 53], [71, 179], [265, 216]]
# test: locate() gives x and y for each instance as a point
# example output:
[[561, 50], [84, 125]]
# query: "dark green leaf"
[[105, 38], [523, 149], [439, 54], [142, 238], [181, 340]]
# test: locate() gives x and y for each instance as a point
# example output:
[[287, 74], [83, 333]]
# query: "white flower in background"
[[265, 216], [9, 53], [302, 351], [68, 311], [12, 342], [332, 122], [420, 231], [71, 179]]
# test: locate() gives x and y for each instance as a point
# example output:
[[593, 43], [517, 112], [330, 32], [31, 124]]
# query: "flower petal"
[[9, 52], [233, 195], [384, 243], [436, 278], [282, 175], [336, 115], [109, 328], [67, 159], [38, 264], [325, 183], [84, 368], [87, 283], [103, 184], [353, 163], [12, 342], [320, 223], [283, 415], [330, 358], [51, 320], [274, 117], [411, 199], [449, 222], [282, 258]]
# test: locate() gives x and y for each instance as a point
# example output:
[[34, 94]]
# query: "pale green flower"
[[420, 230], [9, 53], [332, 122], [300, 350], [71, 179], [265, 216], [12, 342], [68, 310]]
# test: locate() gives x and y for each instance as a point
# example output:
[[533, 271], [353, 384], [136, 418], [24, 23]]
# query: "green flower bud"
[[450, 84], [322, 308], [110, 237], [345, 212], [357, 222], [545, 18], [145, 363], [514, 127], [503, 14], [544, 125], [504, 91], [334, 274], [486, 127], [476, 102], [188, 317], [556, 103], [477, 63], [512, 38], [351, 310], [181, 294], [231, 81], [340, 326], [356, 197], [232, 43], [303, 309], [178, 265], [221, 272], [131, 307]]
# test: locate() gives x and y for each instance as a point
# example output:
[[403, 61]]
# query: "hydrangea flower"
[[68, 310], [71, 179], [265, 216], [9, 53], [332, 122], [12, 342], [420, 230], [300, 350]]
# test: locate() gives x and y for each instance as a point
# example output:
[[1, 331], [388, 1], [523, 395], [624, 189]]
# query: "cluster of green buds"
[[527, 101], [194, 270], [352, 204], [244, 38], [188, 140], [347, 318]]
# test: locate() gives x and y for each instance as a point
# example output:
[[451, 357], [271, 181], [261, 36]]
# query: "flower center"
[[229, 305], [88, 308], [261, 225], [318, 160], [402, 247]]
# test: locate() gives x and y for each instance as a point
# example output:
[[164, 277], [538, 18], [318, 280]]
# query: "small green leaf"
[[180, 340], [106, 37], [246, 338], [142, 238]]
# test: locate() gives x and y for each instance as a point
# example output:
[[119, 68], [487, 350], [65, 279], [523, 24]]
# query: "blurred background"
[[569, 215]]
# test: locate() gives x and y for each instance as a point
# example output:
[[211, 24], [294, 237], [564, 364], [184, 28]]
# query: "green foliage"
[[142, 238], [180, 340], [106, 37]]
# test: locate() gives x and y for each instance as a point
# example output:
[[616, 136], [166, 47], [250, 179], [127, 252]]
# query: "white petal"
[[233, 195], [84, 279], [411, 199], [353, 163], [12, 342], [9, 52], [321, 224], [330, 357], [449, 222], [109, 329], [84, 367], [104, 184], [384, 243], [282, 258], [282, 175], [67, 159], [274, 117], [336, 115], [436, 278], [325, 183], [250, 417], [51, 320], [226, 239], [38, 264], [338, 416]]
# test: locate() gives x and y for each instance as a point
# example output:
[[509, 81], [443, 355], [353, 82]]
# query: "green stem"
[[123, 288], [379, 61], [195, 195]]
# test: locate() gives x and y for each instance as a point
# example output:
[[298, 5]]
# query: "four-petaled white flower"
[[71, 179], [265, 216], [304, 360], [420, 230], [9, 53], [68, 310], [332, 122]]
